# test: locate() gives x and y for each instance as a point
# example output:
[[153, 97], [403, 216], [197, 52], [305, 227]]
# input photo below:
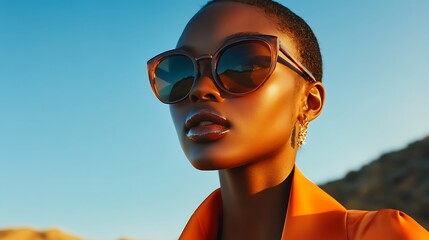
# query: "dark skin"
[[257, 154]]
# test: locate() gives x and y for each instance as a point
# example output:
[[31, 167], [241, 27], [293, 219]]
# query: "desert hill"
[[398, 180], [29, 234]]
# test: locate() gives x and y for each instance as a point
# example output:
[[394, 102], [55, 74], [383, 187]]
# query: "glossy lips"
[[205, 126]]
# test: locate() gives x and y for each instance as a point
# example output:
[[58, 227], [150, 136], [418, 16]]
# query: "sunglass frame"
[[272, 42]]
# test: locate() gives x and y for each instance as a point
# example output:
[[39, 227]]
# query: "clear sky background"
[[86, 147]]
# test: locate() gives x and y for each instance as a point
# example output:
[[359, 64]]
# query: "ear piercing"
[[302, 134]]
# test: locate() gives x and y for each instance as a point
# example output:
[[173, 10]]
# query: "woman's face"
[[220, 131]]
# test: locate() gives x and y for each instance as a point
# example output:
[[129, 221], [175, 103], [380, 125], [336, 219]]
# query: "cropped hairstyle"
[[295, 27]]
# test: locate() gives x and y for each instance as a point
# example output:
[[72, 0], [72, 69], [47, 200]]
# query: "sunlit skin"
[[257, 154]]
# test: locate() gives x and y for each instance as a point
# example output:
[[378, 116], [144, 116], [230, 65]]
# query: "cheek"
[[273, 118], [265, 122]]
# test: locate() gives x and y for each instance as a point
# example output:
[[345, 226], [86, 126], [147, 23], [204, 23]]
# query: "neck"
[[255, 198]]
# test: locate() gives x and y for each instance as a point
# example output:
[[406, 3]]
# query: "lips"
[[206, 125]]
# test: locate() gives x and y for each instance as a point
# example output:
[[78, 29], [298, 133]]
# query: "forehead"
[[209, 28]]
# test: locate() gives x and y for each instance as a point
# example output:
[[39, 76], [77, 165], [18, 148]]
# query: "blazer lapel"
[[311, 214], [205, 222]]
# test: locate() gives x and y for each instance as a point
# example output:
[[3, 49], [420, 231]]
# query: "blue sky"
[[86, 147]]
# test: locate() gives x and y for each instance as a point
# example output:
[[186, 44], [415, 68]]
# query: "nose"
[[205, 88]]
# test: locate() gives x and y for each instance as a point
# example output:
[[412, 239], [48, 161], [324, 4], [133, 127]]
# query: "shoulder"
[[383, 224]]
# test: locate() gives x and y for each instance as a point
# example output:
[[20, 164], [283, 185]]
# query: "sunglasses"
[[239, 67]]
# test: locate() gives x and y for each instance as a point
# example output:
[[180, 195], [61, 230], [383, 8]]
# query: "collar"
[[311, 213]]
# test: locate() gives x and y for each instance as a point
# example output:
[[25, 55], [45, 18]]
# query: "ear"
[[315, 98]]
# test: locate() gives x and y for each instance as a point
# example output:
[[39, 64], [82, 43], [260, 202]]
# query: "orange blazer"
[[313, 214]]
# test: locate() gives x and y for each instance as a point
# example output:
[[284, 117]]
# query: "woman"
[[243, 84]]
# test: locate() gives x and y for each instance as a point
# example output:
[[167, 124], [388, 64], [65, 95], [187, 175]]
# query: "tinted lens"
[[244, 66], [174, 76]]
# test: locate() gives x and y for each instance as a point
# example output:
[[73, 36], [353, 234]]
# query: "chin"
[[208, 163], [203, 166], [217, 160], [208, 156]]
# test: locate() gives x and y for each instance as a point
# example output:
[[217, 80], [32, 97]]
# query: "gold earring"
[[302, 134]]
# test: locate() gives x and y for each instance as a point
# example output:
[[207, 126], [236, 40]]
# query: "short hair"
[[294, 26]]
